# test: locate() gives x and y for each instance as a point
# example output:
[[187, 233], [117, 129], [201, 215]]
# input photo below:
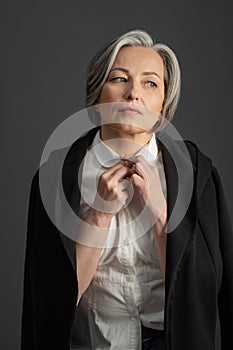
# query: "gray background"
[[45, 51]]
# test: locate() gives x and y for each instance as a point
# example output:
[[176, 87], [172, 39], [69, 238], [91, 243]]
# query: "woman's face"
[[137, 78]]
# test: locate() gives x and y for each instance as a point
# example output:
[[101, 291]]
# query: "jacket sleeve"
[[27, 323], [225, 298]]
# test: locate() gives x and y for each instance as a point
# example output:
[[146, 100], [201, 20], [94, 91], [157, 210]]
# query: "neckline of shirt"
[[107, 157]]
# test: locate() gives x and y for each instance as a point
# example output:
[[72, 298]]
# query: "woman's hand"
[[145, 178], [111, 191], [110, 198]]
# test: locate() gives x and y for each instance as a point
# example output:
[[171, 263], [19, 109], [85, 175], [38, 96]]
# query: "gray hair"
[[102, 63]]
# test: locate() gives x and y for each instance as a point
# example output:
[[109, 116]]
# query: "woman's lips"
[[130, 110]]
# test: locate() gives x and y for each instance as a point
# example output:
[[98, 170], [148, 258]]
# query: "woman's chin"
[[127, 128]]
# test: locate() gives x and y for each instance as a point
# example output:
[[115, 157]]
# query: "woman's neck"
[[124, 143]]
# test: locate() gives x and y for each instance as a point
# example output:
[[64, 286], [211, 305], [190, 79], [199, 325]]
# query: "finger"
[[110, 171], [138, 169], [128, 162], [119, 174], [132, 162], [139, 165], [137, 180]]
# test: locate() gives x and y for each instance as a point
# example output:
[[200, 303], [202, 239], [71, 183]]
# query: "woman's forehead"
[[140, 57]]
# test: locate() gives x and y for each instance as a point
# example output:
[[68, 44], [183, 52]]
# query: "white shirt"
[[128, 286]]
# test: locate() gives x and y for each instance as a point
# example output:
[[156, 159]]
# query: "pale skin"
[[135, 78]]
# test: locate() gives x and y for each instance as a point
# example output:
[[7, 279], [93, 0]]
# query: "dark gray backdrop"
[[45, 52]]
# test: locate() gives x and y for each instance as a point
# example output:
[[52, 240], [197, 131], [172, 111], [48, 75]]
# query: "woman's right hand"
[[112, 192], [111, 196]]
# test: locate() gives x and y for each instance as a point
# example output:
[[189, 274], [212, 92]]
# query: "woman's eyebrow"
[[151, 73], [121, 69], [127, 71]]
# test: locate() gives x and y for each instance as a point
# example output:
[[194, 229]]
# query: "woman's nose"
[[132, 93]]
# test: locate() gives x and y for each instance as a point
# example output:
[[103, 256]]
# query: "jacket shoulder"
[[195, 152], [198, 157]]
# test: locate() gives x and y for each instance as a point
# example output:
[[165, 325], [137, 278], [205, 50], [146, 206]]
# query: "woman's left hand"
[[145, 178]]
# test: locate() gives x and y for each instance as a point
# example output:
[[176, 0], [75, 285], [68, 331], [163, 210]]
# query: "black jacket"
[[199, 263]]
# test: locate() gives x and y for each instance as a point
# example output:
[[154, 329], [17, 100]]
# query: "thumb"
[[136, 180]]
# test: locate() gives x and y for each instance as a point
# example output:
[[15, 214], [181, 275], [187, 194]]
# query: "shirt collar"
[[107, 157]]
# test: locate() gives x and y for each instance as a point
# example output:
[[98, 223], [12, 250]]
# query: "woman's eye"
[[151, 84], [119, 79]]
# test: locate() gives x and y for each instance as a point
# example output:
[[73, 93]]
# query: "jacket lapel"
[[180, 232], [71, 173]]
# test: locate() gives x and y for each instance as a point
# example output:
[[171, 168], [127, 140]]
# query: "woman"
[[137, 287]]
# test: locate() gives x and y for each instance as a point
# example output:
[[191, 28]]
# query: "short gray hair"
[[102, 63]]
